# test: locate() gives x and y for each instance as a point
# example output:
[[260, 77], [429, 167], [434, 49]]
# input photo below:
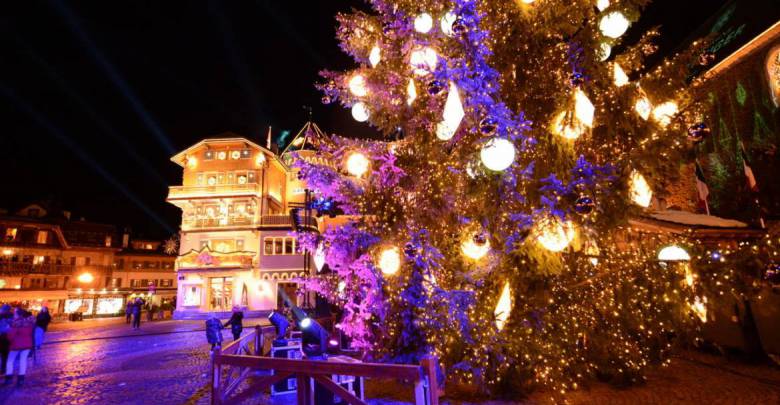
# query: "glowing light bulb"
[[260, 159], [613, 24], [86, 278], [664, 113], [360, 112], [673, 253], [503, 307], [583, 108], [602, 4], [554, 234], [423, 23], [498, 154], [192, 162], [619, 76], [305, 322], [411, 92], [446, 23], [357, 86], [604, 51], [640, 192], [357, 164], [375, 56], [473, 250], [423, 61], [389, 261], [452, 116], [643, 108]]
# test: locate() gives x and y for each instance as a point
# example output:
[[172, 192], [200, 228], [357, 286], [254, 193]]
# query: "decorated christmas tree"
[[488, 228]]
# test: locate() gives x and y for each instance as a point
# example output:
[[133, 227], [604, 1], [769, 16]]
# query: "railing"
[[220, 189], [286, 220], [231, 366], [20, 268], [216, 222]]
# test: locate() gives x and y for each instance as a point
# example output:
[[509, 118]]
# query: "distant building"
[[237, 198], [70, 265]]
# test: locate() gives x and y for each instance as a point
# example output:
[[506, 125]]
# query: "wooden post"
[[259, 341], [216, 377], [429, 365], [419, 392], [305, 390]]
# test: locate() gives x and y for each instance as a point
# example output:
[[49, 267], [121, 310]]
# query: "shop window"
[[43, 237], [773, 71], [10, 234]]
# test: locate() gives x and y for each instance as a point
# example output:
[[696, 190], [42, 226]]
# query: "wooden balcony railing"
[[17, 268], [218, 190], [215, 222]]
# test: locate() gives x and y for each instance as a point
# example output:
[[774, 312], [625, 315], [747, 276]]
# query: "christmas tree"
[[489, 227]]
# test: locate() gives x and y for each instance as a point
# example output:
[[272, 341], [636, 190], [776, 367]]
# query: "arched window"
[[773, 71]]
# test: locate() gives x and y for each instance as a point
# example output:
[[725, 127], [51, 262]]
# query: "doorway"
[[221, 293]]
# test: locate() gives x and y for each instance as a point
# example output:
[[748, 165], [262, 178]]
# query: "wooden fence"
[[231, 366]]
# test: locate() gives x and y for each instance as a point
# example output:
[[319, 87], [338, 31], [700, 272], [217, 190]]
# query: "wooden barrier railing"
[[231, 366]]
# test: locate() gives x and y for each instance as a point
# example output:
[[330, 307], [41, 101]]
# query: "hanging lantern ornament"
[[357, 164], [389, 261], [576, 79], [423, 23], [497, 154], [697, 133], [435, 87], [613, 24], [410, 250], [488, 126], [360, 112], [584, 205]]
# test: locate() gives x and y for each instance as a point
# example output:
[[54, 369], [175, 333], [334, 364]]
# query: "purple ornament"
[[584, 205], [698, 132], [459, 26], [576, 79], [488, 126], [326, 100], [435, 87]]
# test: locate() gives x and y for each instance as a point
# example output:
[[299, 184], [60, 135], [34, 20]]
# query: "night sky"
[[96, 96]]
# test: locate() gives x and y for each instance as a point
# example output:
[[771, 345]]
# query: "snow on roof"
[[689, 218]]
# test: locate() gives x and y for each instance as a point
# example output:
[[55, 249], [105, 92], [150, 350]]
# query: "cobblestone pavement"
[[105, 362]]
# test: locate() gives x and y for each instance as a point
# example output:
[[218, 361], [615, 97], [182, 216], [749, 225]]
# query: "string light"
[[357, 86], [619, 76], [497, 154], [375, 56], [613, 24], [389, 261], [640, 191], [411, 92], [423, 61], [446, 23], [423, 23], [360, 112], [554, 234], [503, 307], [357, 164]]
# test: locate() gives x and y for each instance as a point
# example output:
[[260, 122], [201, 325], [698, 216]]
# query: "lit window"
[[240, 245], [289, 246], [108, 240], [245, 154], [269, 246], [278, 246], [773, 70], [209, 155], [199, 179], [212, 180], [235, 155], [251, 177], [222, 155], [242, 179], [43, 236], [10, 234]]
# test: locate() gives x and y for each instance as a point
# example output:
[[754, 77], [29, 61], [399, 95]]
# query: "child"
[[214, 330]]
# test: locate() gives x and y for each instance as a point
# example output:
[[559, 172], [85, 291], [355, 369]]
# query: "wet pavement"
[[166, 362]]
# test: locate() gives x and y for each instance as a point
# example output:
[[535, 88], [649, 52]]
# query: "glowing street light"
[[86, 278]]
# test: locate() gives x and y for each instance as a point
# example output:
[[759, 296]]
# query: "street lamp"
[[86, 278]]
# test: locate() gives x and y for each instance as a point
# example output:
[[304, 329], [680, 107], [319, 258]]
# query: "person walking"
[[137, 307], [6, 316], [236, 322], [42, 321], [129, 311], [214, 330], [21, 342]]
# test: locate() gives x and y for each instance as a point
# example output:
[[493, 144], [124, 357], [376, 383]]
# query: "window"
[[51, 282], [119, 264], [240, 245], [288, 246], [73, 261], [43, 236], [133, 283], [773, 70], [136, 264], [199, 179], [280, 246], [245, 153], [113, 282], [166, 283], [269, 246], [209, 155], [108, 240], [10, 234], [167, 265], [87, 261]]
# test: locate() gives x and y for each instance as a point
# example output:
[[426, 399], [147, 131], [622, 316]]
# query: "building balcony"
[[265, 221], [222, 190], [20, 269], [207, 260]]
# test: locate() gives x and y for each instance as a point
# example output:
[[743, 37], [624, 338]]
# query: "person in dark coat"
[[137, 307], [236, 322], [42, 321], [129, 311], [214, 330]]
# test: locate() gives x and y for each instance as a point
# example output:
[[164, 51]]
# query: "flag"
[[751, 179], [701, 187]]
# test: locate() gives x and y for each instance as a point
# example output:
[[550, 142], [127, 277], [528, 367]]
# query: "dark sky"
[[95, 96]]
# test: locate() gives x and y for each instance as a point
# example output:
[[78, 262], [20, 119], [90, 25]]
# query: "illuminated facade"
[[236, 249]]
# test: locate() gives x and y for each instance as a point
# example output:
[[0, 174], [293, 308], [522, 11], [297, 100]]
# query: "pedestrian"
[[137, 307], [6, 316], [214, 330], [236, 322], [42, 321], [129, 310], [21, 338]]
